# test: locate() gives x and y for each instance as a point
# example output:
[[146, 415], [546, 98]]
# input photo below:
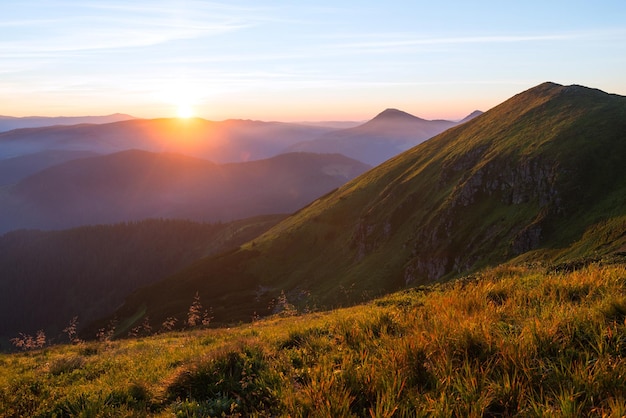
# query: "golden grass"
[[512, 341]]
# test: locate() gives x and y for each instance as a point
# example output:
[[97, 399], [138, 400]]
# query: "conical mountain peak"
[[394, 115], [471, 116]]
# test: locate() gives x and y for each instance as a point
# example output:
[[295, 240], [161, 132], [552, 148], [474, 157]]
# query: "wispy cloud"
[[28, 22], [169, 7], [120, 50], [119, 26], [113, 38], [393, 42], [416, 41]]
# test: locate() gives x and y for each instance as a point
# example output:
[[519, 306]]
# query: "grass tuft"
[[66, 365], [233, 378]]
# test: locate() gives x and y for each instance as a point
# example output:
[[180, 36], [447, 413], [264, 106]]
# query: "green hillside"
[[511, 341], [540, 176]]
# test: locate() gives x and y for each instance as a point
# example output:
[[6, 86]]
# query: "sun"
[[181, 97], [185, 111]]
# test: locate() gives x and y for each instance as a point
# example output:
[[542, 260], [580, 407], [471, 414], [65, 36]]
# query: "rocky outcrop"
[[431, 268], [437, 249], [369, 236], [527, 239], [526, 181]]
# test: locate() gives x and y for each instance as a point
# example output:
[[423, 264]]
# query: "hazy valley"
[[134, 185], [51, 276]]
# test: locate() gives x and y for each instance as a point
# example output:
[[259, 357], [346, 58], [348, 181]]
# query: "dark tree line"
[[49, 277]]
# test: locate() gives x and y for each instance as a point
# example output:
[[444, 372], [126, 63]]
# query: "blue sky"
[[288, 60]]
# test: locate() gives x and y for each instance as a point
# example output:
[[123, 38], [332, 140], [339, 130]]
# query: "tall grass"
[[511, 341]]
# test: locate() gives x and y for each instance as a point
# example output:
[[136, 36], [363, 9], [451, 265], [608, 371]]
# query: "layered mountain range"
[[134, 185], [388, 134], [372, 142], [8, 123], [120, 169], [219, 142], [539, 177], [70, 175]]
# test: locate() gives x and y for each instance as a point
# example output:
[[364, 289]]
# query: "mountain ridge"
[[221, 142], [17, 168], [387, 134], [8, 123], [514, 182], [134, 184]]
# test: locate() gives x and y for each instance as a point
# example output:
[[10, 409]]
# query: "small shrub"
[[220, 406], [469, 345], [323, 396], [235, 375], [135, 396], [497, 296], [84, 405], [89, 350], [385, 324], [299, 338], [416, 367], [615, 310], [66, 364]]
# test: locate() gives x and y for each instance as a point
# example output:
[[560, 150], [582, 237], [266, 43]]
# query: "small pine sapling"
[[169, 324], [72, 331], [196, 315]]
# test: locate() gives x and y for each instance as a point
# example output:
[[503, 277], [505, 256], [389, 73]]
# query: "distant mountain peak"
[[471, 116], [121, 115], [394, 115], [547, 85]]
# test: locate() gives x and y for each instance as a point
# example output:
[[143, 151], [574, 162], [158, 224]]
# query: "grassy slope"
[[511, 340], [543, 171]]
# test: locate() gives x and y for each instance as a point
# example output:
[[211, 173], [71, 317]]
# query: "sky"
[[299, 60]]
